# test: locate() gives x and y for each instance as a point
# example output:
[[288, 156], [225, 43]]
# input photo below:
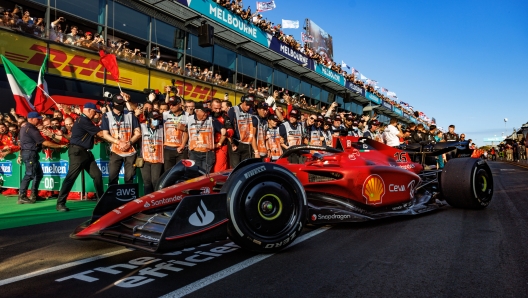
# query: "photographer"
[[55, 32], [124, 126], [393, 133], [240, 116], [152, 150], [175, 132], [372, 132]]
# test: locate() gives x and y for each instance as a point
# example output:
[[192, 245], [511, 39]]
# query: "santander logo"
[[202, 216]]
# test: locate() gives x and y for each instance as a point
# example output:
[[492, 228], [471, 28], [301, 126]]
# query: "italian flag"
[[21, 86], [42, 91]]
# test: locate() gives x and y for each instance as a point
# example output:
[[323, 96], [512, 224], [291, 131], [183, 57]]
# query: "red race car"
[[264, 206]]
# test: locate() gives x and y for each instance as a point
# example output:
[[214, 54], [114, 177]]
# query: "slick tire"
[[467, 183], [266, 207]]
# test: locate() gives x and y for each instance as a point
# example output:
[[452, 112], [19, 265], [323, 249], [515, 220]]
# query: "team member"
[[260, 126], [291, 132], [152, 150], [81, 158], [372, 132], [273, 138], [124, 126], [221, 153], [31, 143], [201, 129], [240, 116], [175, 132], [393, 133], [451, 135], [337, 128]]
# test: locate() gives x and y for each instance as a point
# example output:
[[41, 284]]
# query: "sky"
[[461, 62]]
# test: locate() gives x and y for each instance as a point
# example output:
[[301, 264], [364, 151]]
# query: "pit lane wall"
[[55, 164], [28, 53]]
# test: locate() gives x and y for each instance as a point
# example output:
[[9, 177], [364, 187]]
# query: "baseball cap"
[[118, 99], [174, 100], [320, 118], [355, 123], [273, 117], [375, 122], [154, 114], [249, 98], [201, 106], [338, 118], [328, 121], [295, 113], [34, 115], [432, 127], [92, 106], [88, 33], [349, 117], [262, 105]]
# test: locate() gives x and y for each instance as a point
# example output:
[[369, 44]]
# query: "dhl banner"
[[75, 63], [189, 89]]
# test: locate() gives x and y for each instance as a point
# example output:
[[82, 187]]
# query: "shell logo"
[[373, 189]]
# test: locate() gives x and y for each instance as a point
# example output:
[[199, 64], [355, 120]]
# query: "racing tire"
[[467, 183], [266, 207]]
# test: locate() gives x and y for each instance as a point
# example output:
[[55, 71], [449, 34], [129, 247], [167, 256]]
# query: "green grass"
[[13, 215]]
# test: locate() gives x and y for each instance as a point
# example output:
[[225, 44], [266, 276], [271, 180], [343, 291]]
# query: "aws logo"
[[373, 189], [125, 194]]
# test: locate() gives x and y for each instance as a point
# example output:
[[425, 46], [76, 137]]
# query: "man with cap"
[[274, 140], [314, 130], [372, 132], [202, 129], [351, 126], [152, 150], [337, 127], [31, 142], [122, 125], [240, 116], [175, 133], [80, 157], [260, 126], [291, 132], [327, 132]]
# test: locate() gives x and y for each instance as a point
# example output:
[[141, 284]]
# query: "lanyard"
[[118, 124]]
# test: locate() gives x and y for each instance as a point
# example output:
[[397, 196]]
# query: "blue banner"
[[372, 97], [354, 88], [413, 119], [398, 111], [407, 116], [219, 14], [387, 105], [330, 74], [283, 49]]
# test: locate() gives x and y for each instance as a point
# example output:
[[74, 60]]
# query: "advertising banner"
[[372, 97], [398, 111], [357, 89], [406, 116], [322, 42], [10, 171], [330, 74], [387, 105], [283, 49], [223, 16]]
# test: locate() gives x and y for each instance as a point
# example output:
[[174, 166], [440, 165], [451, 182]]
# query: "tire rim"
[[268, 206], [482, 185]]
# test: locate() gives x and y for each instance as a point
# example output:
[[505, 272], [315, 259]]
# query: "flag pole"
[[46, 93]]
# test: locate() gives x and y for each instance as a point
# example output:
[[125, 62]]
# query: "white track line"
[[197, 285], [4, 282]]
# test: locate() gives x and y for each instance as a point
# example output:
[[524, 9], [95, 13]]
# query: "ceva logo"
[[55, 168], [105, 170], [6, 168], [202, 216]]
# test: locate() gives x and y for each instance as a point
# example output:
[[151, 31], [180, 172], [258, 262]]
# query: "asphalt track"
[[447, 253]]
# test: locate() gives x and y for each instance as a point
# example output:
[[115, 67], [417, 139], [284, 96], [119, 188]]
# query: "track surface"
[[448, 253]]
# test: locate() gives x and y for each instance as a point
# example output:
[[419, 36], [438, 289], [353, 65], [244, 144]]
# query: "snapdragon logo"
[[55, 168], [333, 216], [103, 166], [6, 168], [202, 216]]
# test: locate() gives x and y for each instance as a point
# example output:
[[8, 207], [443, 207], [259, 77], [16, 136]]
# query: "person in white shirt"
[[393, 133]]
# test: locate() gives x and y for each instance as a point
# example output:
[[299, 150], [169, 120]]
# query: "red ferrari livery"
[[264, 206]]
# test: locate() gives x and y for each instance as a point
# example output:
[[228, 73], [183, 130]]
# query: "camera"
[[174, 89], [108, 95]]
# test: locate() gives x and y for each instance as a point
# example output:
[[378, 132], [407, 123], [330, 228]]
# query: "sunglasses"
[[312, 118]]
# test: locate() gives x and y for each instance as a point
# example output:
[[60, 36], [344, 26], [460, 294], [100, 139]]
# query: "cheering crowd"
[[214, 134]]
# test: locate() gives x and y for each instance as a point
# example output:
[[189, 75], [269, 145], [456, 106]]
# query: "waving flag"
[[290, 24], [363, 78], [265, 6], [383, 89], [110, 63], [392, 94], [42, 91], [21, 86], [306, 38], [343, 65]]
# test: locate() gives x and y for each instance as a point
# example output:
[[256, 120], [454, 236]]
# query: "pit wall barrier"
[[55, 164]]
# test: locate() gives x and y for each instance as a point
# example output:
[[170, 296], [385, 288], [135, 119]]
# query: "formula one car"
[[263, 206]]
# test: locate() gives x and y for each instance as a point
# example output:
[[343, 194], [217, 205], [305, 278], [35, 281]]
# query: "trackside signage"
[[330, 74], [288, 52], [350, 86], [372, 97], [6, 168], [55, 168], [230, 20], [103, 166], [387, 105], [398, 111]]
